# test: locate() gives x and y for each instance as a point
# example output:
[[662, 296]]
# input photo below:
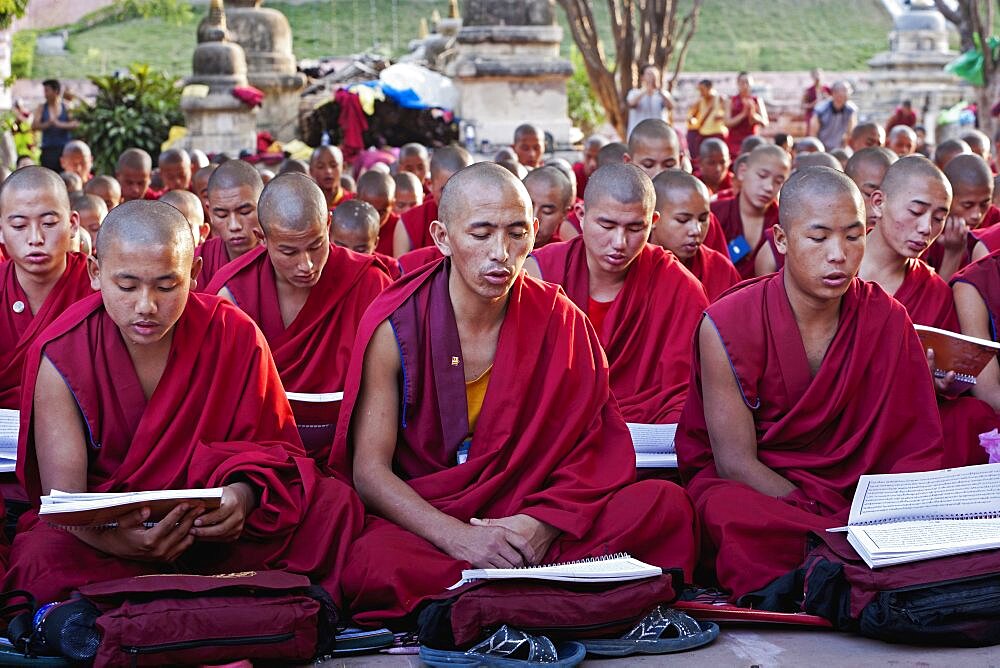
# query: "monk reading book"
[[802, 381], [608, 272], [170, 390], [972, 184], [307, 296], [459, 373]]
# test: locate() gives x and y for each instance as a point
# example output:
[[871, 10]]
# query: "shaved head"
[[771, 152], [174, 156], [875, 157], [651, 130], [35, 177], [142, 224], [356, 216], [623, 183], [806, 160], [564, 167], [673, 183], [291, 202], [806, 186], [552, 177], [89, 203], [413, 150], [528, 130], [750, 143], [188, 204], [449, 160], [293, 165], [808, 145], [374, 184], [968, 171], [611, 154], [947, 150], [596, 142], [904, 171], [322, 151], [105, 187], [977, 141], [135, 158], [234, 174], [459, 196], [865, 135], [408, 182], [712, 146]]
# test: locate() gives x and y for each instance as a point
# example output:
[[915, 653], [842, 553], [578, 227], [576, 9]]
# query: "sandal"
[[509, 648], [662, 631]]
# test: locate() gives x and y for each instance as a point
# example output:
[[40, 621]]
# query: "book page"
[[616, 568], [959, 493], [10, 424], [652, 437], [925, 536]]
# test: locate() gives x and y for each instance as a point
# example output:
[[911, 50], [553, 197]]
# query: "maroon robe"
[[417, 222], [647, 333], [743, 129], [214, 257], [219, 415], [390, 264], [580, 482], [716, 273], [989, 231], [728, 212], [415, 259], [386, 233], [19, 330], [312, 353], [869, 409], [581, 179]]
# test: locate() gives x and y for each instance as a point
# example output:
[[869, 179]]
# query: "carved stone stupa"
[[218, 122]]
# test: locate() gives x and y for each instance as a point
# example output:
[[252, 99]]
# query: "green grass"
[[732, 35]]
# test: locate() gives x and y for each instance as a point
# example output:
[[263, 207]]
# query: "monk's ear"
[[654, 220], [203, 231], [196, 265], [329, 219], [439, 233], [626, 158], [74, 223], [94, 271], [780, 239], [580, 209], [877, 200], [259, 233], [741, 170], [534, 228]]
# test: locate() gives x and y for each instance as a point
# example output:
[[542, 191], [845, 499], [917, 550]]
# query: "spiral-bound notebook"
[[904, 517], [965, 355], [102, 510], [619, 567]]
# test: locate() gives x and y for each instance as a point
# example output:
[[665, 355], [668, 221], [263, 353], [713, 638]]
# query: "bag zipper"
[[135, 650]]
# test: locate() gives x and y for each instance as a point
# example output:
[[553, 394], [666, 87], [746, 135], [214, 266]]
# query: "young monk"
[[612, 154], [199, 186], [169, 390], [92, 210], [135, 172], [588, 163], [713, 165], [748, 216], [414, 159], [683, 204], [414, 232], [866, 135], [551, 198], [653, 146], [972, 184], [867, 169], [902, 140], [307, 296], [409, 193], [948, 149], [41, 277], [175, 169], [529, 145], [233, 191], [607, 272], [979, 143], [379, 190], [783, 413], [105, 187], [912, 205], [77, 158], [190, 206], [325, 167], [449, 462], [354, 225]]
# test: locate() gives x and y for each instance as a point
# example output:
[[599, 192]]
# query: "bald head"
[[174, 156], [528, 130], [611, 154], [135, 159], [675, 184], [876, 158], [767, 152], [808, 145], [235, 174], [449, 160], [625, 184], [947, 150], [806, 187], [35, 178], [595, 142], [807, 160], [293, 165], [376, 185], [713, 146], [968, 171], [355, 217], [138, 226], [190, 206], [413, 150], [651, 130], [105, 187], [866, 135], [326, 152], [291, 203], [902, 140], [551, 177], [750, 143], [978, 142], [903, 173], [76, 147], [475, 185]]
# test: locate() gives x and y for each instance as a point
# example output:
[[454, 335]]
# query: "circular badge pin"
[[18, 306]]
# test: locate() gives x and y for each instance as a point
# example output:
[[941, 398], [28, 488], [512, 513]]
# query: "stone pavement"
[[766, 647]]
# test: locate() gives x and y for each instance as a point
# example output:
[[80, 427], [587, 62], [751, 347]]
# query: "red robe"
[[989, 231], [581, 179], [313, 352], [415, 259], [417, 222], [728, 212], [725, 184], [390, 264], [869, 409], [218, 415], [385, 235], [716, 273], [19, 330], [647, 333], [581, 481], [214, 257]]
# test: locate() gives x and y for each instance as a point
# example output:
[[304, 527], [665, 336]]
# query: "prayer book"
[[102, 510], [10, 424], [654, 445], [619, 567], [904, 517], [965, 355]]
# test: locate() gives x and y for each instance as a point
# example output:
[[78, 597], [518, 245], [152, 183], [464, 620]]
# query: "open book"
[[654, 445], [965, 355], [91, 510], [619, 567], [904, 517], [10, 424]]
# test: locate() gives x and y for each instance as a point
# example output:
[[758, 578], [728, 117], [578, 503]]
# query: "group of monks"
[[388, 398]]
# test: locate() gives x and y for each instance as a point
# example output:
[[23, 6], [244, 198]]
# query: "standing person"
[[813, 94], [650, 100], [55, 122], [745, 114], [706, 117], [834, 119]]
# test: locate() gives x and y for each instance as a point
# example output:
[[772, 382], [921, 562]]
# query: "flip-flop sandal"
[[662, 631], [509, 648]]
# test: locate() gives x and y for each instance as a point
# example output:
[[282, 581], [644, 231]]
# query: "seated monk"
[[654, 146], [414, 232], [902, 141], [105, 187], [307, 296], [947, 150], [414, 159], [713, 165], [551, 198], [92, 210], [683, 204], [170, 390], [911, 207], [529, 146], [866, 135], [588, 161], [233, 191], [379, 190], [175, 169], [972, 184], [977, 300], [354, 225], [608, 272], [746, 217], [409, 194], [803, 381], [460, 371], [326, 165], [134, 172], [190, 207], [199, 186]]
